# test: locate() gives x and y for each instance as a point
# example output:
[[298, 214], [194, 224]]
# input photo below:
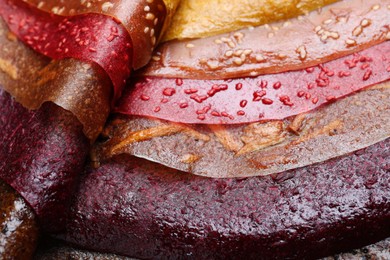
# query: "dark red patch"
[[42, 154], [138, 208], [274, 96]]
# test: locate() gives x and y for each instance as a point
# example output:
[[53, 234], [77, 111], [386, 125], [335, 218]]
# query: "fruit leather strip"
[[202, 18], [250, 99], [338, 30], [260, 148], [18, 225], [89, 37], [82, 88], [145, 20], [139, 208], [42, 153]]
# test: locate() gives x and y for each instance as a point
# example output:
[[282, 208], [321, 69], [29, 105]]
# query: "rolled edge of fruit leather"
[[42, 154], [117, 46], [44, 149], [140, 18]]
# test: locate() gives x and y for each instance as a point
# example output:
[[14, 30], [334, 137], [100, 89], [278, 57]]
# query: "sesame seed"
[[357, 31], [248, 51], [365, 22], [334, 35], [328, 21], [146, 30], [322, 31], [350, 42], [106, 6], [324, 37], [260, 58], [375, 7], [302, 52], [238, 52], [147, 8], [318, 28], [156, 58], [190, 45], [212, 64], [150, 16], [238, 61], [231, 44], [229, 53]]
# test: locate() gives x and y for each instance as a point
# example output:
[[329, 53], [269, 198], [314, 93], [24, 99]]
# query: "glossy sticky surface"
[[141, 209], [271, 96], [18, 226], [42, 153], [93, 37]]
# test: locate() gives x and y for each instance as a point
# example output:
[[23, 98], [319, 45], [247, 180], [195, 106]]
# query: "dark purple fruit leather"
[[134, 207], [42, 153]]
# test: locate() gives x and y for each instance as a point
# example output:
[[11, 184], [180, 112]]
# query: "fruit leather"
[[42, 153], [337, 30], [19, 232], [138, 208], [62, 91]]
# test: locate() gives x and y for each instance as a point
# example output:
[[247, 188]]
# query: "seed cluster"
[[295, 44]]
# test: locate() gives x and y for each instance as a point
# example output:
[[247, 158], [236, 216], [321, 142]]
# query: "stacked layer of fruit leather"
[[304, 102], [256, 101], [62, 66]]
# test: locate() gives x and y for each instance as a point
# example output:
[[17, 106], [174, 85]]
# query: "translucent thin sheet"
[[260, 148], [250, 99]]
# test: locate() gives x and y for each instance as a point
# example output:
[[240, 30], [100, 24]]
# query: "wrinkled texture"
[[63, 252], [18, 226], [250, 99], [337, 30], [201, 18], [262, 148], [90, 37], [135, 16], [138, 208], [42, 153], [81, 88]]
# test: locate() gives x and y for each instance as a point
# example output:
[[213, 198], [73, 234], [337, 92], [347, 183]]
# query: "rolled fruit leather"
[[151, 211], [259, 123], [142, 209], [61, 99]]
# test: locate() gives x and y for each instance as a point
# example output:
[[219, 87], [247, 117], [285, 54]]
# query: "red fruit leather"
[[142, 209], [42, 153], [90, 37], [250, 99]]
